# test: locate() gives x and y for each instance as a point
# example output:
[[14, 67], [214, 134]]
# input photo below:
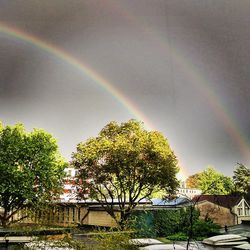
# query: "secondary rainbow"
[[198, 80]]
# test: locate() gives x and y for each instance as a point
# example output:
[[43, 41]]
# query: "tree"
[[242, 179], [193, 181], [125, 163], [214, 182], [31, 169]]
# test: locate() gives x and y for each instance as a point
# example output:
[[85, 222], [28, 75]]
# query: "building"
[[223, 209], [72, 213], [189, 192], [69, 189], [177, 202]]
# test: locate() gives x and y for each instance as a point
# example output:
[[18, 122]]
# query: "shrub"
[[103, 241], [114, 241], [142, 223], [178, 237], [166, 222], [203, 228]]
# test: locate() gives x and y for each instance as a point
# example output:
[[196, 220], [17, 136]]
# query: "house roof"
[[95, 202], [175, 202], [227, 201]]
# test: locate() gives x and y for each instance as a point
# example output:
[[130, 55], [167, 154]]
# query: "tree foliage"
[[242, 179], [193, 181], [214, 182], [31, 169], [125, 163]]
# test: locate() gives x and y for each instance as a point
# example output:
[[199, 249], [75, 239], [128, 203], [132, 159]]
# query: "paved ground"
[[199, 245]]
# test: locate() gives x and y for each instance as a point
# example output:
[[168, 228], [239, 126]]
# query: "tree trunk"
[[123, 223], [5, 218], [4, 221], [190, 230]]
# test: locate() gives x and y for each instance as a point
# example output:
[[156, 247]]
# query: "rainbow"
[[79, 65], [197, 79], [85, 70], [190, 70]]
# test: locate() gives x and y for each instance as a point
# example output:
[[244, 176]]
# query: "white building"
[[183, 191], [189, 192], [69, 190]]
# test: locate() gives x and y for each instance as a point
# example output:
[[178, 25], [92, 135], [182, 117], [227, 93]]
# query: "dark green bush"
[[167, 222], [115, 241], [203, 228], [142, 223]]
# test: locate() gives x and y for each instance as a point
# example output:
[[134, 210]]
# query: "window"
[[247, 211], [243, 209], [240, 211]]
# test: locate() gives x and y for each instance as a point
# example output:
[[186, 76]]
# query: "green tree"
[[31, 169], [214, 182], [242, 179], [125, 163]]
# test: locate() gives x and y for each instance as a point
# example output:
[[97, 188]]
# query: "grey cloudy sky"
[[183, 64]]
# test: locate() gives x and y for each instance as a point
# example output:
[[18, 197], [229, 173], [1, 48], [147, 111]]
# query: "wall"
[[68, 215], [219, 215], [101, 218]]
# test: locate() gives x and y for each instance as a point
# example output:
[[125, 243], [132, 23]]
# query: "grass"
[[164, 240]]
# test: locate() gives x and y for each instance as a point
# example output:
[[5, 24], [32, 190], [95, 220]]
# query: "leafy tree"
[[193, 181], [31, 169], [125, 163], [214, 182], [242, 179]]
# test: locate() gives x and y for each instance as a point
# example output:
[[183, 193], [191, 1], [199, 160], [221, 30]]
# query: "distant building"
[[69, 189], [223, 209], [72, 213], [189, 192]]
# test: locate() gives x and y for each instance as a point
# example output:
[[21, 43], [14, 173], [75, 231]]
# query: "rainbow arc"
[[190, 70]]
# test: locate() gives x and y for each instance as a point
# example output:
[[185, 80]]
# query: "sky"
[[181, 67]]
